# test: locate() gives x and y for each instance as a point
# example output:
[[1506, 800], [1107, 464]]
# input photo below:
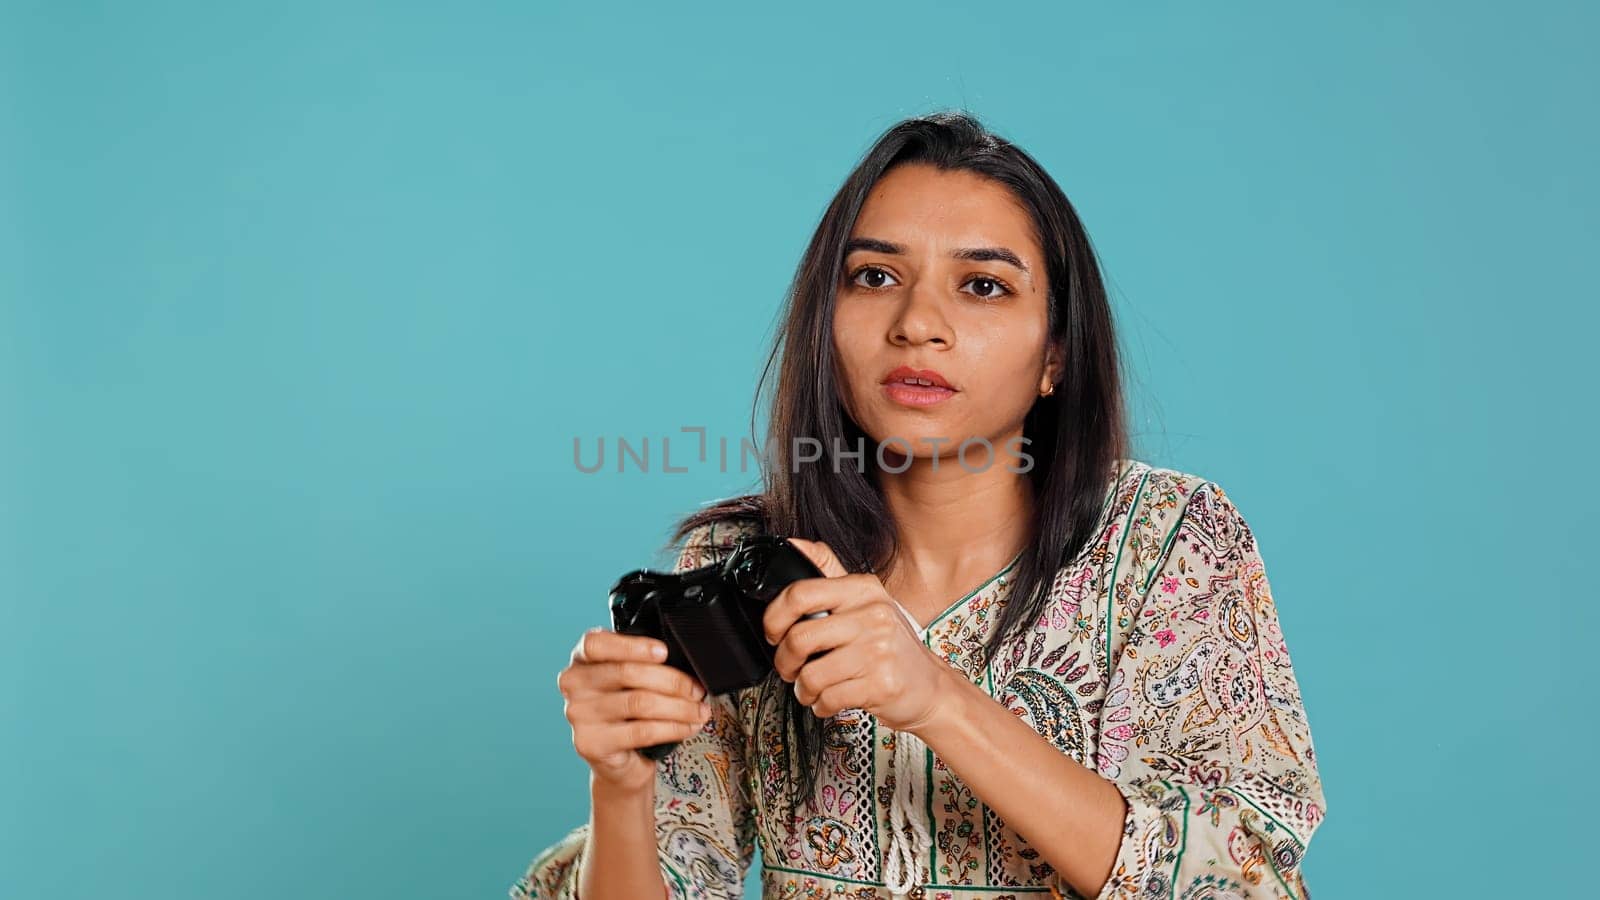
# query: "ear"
[[1054, 364]]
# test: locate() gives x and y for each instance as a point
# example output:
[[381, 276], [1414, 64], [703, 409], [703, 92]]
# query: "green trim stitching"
[[972, 593], [1111, 586], [1183, 837]]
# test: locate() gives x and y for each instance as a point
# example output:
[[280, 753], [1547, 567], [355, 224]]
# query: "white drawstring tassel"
[[906, 853]]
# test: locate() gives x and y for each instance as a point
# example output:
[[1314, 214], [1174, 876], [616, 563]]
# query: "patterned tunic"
[[1159, 662]]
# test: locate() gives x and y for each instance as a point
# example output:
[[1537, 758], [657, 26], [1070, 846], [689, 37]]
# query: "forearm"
[[1069, 813], [622, 860]]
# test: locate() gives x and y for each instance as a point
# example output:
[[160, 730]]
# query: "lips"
[[917, 388], [917, 378]]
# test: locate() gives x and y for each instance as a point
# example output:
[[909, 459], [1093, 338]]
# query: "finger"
[[622, 706], [598, 742], [808, 637], [813, 595], [602, 645], [852, 694], [617, 676], [822, 556], [818, 675], [808, 595]]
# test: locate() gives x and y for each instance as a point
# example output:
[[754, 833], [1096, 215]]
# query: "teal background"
[[301, 306]]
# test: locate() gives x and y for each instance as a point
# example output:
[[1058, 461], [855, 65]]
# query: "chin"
[[925, 436]]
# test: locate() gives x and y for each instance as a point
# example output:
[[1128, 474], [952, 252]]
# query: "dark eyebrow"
[[998, 254]]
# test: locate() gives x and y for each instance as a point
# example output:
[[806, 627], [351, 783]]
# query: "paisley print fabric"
[[1159, 662]]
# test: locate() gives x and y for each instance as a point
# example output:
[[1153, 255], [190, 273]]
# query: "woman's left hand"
[[873, 658]]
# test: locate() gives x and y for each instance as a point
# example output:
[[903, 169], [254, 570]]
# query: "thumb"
[[822, 556]]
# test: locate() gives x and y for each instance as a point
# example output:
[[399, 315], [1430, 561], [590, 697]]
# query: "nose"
[[921, 320]]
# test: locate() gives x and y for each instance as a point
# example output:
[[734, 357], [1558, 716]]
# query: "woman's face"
[[942, 275]]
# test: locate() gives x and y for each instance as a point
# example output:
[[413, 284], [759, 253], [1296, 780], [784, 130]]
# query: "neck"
[[955, 528]]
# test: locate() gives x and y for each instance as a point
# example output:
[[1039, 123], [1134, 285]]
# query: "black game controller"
[[710, 617]]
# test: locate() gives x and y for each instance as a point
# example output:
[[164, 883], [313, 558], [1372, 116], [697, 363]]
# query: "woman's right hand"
[[621, 697]]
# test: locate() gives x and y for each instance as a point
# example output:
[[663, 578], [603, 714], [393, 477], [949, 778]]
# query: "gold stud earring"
[[1049, 389]]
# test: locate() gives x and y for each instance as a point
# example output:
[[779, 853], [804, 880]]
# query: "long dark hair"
[[1076, 435]]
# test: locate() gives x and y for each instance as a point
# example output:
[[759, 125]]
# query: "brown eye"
[[993, 288], [875, 275]]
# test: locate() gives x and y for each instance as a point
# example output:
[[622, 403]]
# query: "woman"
[[1056, 671]]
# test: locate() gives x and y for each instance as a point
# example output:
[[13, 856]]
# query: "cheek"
[[1002, 363], [852, 341], [849, 358], [1007, 378]]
